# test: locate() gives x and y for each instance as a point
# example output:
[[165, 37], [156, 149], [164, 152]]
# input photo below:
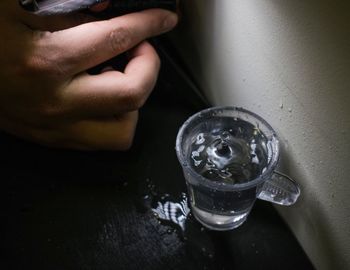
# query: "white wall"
[[288, 61]]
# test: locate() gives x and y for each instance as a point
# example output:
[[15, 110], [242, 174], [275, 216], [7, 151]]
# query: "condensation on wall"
[[288, 61]]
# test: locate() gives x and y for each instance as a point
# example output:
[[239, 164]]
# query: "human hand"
[[46, 95]]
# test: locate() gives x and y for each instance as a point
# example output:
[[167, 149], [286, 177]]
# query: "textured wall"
[[288, 61]]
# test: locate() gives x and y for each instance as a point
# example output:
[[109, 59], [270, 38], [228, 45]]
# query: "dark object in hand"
[[53, 7]]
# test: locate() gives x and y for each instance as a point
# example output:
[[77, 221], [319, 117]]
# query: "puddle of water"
[[175, 212], [203, 246]]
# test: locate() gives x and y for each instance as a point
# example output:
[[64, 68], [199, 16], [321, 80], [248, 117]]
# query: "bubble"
[[200, 138], [225, 135], [234, 152]]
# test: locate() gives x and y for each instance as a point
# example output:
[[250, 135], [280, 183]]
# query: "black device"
[[54, 7]]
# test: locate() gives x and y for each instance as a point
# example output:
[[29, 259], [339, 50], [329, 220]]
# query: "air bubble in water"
[[236, 152]]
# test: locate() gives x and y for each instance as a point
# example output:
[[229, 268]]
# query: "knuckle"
[[41, 65], [120, 39], [33, 65]]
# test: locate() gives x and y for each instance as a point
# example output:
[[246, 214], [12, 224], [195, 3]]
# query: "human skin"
[[47, 96]]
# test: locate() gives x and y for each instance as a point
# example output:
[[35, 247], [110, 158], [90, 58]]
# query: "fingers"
[[90, 44], [113, 92], [107, 134], [111, 134]]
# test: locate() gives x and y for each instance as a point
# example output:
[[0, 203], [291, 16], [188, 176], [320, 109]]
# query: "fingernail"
[[170, 22]]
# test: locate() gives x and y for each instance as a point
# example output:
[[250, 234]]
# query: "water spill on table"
[[175, 212], [205, 248]]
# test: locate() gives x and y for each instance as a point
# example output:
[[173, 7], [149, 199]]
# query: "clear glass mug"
[[229, 157]]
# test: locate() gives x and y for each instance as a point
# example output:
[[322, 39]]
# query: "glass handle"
[[279, 189]]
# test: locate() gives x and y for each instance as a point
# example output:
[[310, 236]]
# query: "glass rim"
[[227, 186]]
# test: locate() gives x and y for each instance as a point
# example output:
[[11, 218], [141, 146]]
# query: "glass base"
[[220, 222]]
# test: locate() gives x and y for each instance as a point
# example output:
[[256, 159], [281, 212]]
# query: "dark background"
[[65, 209]]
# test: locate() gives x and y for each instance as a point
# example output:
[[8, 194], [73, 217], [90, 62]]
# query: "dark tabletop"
[[87, 210]]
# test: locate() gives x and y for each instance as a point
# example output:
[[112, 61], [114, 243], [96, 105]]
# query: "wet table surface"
[[92, 210]]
